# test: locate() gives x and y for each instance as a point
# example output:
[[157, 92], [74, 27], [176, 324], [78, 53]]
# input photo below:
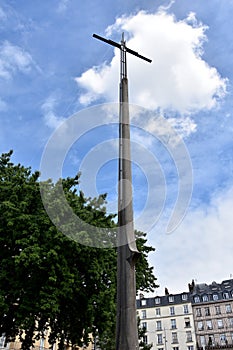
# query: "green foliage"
[[48, 280], [141, 335]]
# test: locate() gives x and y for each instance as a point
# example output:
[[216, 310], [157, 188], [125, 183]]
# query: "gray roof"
[[198, 294], [171, 299], [213, 292]]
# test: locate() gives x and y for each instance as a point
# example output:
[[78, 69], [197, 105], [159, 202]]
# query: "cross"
[[127, 253]]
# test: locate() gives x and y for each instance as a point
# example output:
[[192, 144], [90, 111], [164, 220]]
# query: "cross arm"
[[119, 46], [108, 41]]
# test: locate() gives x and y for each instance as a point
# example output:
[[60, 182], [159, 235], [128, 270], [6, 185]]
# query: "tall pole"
[[127, 253]]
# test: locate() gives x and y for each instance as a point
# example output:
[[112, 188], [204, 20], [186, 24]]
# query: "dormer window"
[[157, 300], [197, 299], [205, 297], [226, 295], [171, 298], [184, 296]]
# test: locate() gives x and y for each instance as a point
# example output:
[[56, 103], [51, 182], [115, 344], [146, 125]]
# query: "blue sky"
[[52, 68]]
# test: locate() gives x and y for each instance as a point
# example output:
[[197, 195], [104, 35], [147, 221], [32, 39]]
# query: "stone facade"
[[200, 319], [168, 321], [213, 314]]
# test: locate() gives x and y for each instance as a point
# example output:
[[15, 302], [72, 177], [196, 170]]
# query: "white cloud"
[[183, 126], [201, 248], [12, 59], [50, 117], [177, 79]]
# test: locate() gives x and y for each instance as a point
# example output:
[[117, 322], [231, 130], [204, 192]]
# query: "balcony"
[[216, 347]]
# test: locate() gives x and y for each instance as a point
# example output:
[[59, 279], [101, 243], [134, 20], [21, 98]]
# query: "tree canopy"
[[49, 281]]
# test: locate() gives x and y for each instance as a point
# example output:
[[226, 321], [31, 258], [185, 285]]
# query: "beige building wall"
[[41, 344], [169, 327], [214, 323]]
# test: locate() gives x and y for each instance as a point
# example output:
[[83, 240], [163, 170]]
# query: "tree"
[[142, 337], [48, 280]]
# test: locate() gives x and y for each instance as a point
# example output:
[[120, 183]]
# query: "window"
[[157, 300], [223, 339], [172, 310], [196, 299], [205, 297], [202, 340], [187, 322], [220, 323], [41, 344], [143, 302], [171, 298], [215, 296], [198, 312], [211, 340], [159, 339], [158, 325], [209, 324], [184, 297], [144, 325], [207, 311], [189, 336], [173, 324], [143, 314], [218, 310], [200, 326], [157, 312], [228, 308], [175, 348], [226, 295], [2, 341], [230, 320], [145, 339], [174, 338], [190, 347], [186, 309]]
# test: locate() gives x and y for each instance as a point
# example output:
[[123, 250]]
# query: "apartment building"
[[201, 318], [213, 314], [168, 321]]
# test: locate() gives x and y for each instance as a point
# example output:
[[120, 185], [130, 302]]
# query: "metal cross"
[[127, 253]]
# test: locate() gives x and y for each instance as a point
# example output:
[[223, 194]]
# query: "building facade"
[[213, 314], [200, 319], [168, 322]]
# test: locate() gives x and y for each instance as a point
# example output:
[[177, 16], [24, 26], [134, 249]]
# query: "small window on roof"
[[205, 297], [215, 296], [143, 302], [171, 298], [184, 296], [196, 299], [157, 300], [226, 295]]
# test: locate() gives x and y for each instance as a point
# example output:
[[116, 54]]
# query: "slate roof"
[[214, 292], [164, 300]]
